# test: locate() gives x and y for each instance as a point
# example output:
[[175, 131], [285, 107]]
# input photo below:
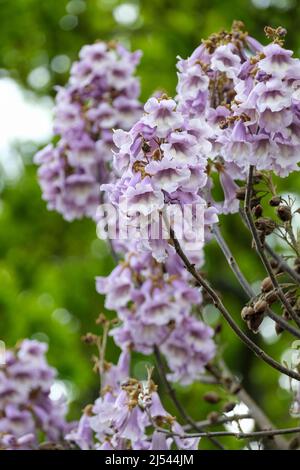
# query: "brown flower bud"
[[258, 210], [260, 307], [229, 406], [211, 397], [265, 225], [254, 322], [284, 213], [271, 297], [213, 416], [89, 338], [247, 312], [255, 201], [266, 285], [275, 201]]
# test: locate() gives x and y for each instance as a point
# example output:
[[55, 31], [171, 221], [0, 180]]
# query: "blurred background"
[[48, 266]]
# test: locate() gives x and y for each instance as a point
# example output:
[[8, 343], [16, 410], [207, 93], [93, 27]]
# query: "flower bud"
[[213, 416], [271, 297], [265, 225], [284, 213], [275, 201], [254, 322], [211, 397], [258, 210], [229, 406], [266, 285], [247, 312], [260, 307]]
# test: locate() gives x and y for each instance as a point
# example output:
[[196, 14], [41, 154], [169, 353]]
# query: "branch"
[[174, 398], [220, 420], [238, 435], [244, 283], [282, 264], [261, 252], [222, 309], [259, 416]]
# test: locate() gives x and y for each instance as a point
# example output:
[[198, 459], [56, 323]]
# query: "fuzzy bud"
[[275, 201], [266, 285], [265, 225], [212, 398], [247, 312], [284, 213], [271, 297], [258, 210], [260, 306]]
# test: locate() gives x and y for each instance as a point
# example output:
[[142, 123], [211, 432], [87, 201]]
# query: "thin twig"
[[261, 252], [222, 309], [173, 396], [244, 283], [220, 420], [238, 435], [224, 376], [282, 264]]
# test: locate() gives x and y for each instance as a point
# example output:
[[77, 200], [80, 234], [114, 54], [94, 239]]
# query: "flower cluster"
[[206, 90], [265, 129], [154, 302], [102, 94], [163, 163], [26, 409], [122, 417]]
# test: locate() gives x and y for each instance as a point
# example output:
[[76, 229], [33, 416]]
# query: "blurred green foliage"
[[48, 266]]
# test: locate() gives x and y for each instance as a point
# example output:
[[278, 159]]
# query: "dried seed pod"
[[211, 397], [275, 201], [265, 225], [284, 213], [260, 307], [266, 285]]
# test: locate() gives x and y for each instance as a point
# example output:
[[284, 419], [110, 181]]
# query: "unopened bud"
[[258, 210], [284, 213], [213, 416], [254, 322], [211, 397], [275, 201], [229, 406], [247, 312], [266, 285], [260, 307], [271, 297], [265, 225]]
